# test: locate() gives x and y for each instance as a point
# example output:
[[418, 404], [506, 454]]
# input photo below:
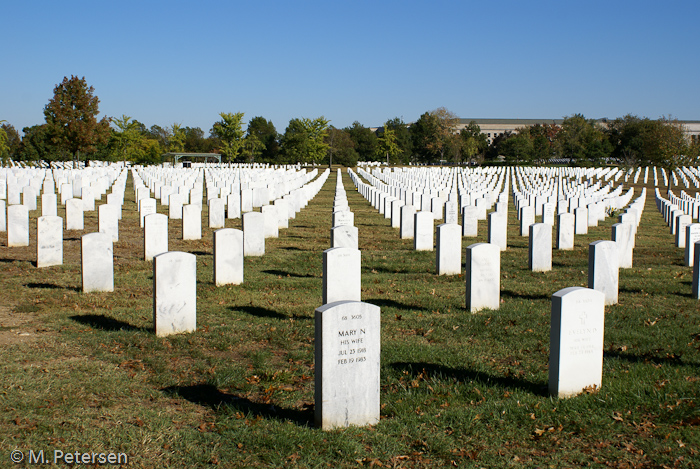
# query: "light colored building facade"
[[494, 127]]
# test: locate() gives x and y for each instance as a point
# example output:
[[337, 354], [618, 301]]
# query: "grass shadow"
[[282, 273], [382, 303], [50, 286], [105, 323], [259, 312], [648, 357], [524, 296], [209, 396], [392, 271], [462, 375]]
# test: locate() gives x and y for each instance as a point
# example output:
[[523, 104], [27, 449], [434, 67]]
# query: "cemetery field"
[[85, 371]]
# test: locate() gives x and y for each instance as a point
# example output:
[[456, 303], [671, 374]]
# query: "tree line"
[[72, 131]]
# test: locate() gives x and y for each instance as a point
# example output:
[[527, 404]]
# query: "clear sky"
[[165, 62]]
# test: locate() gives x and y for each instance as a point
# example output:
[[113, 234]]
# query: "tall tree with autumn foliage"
[[71, 118]]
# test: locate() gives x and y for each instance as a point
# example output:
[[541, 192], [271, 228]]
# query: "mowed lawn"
[[85, 372]]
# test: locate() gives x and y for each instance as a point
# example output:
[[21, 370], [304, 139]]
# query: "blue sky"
[[185, 62]]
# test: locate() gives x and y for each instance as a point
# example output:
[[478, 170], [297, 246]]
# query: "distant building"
[[495, 127]]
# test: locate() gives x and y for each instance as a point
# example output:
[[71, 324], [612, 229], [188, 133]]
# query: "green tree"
[[318, 130], [365, 141], [517, 147], [674, 147], [37, 145], [252, 147], [445, 137], [388, 148], [195, 142], [264, 130], [160, 134], [341, 148], [474, 142], [304, 140], [403, 138], [71, 118], [14, 141], [176, 142], [4, 142], [423, 133], [126, 140], [582, 141], [229, 131]]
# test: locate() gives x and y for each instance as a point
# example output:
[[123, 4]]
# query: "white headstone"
[[483, 276], [191, 222], [17, 226], [49, 241], [228, 257], [108, 221], [696, 272], [396, 213], [423, 231], [341, 275], [540, 247], [253, 234], [470, 221], [233, 206], [175, 293], [682, 222], [74, 214], [565, 231], [97, 260], [49, 205], [271, 221], [527, 218], [449, 249], [622, 235], [406, 229], [344, 237], [3, 215], [217, 217], [692, 236], [155, 235], [146, 207], [576, 341], [343, 218], [581, 222], [498, 230], [347, 364], [604, 269]]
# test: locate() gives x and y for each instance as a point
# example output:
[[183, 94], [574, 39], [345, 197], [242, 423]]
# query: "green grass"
[[457, 388]]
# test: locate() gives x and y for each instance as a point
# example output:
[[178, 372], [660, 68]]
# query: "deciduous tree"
[[304, 140], [229, 131], [365, 141], [71, 118], [264, 130], [341, 148], [388, 148]]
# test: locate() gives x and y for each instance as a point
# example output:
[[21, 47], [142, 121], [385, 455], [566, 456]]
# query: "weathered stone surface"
[[576, 341], [97, 263], [449, 249], [604, 269], [347, 364], [228, 257], [341, 275], [175, 293], [483, 276], [49, 241]]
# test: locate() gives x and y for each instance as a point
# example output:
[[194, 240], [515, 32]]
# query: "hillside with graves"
[[251, 315]]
